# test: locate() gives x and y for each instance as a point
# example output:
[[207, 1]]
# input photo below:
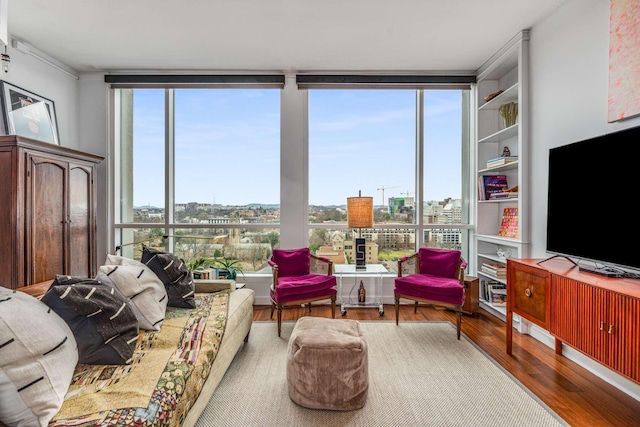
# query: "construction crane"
[[407, 193], [382, 189]]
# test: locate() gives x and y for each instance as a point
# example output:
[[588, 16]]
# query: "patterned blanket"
[[169, 369]]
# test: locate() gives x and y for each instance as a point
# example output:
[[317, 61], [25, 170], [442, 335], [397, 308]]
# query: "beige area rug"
[[419, 375]]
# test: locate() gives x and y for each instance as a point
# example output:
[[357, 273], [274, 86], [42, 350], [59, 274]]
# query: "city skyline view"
[[359, 140]]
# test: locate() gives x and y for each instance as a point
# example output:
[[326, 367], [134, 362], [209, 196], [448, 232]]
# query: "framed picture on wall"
[[26, 114]]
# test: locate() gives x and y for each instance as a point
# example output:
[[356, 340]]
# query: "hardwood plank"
[[578, 396]]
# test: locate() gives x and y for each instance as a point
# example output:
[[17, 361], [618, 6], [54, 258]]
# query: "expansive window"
[[402, 147], [199, 173]]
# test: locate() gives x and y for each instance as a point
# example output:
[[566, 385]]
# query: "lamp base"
[[360, 254]]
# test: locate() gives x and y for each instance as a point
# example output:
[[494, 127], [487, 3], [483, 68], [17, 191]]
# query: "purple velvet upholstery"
[[439, 262], [437, 282], [295, 284], [300, 286], [430, 287], [292, 262], [324, 292]]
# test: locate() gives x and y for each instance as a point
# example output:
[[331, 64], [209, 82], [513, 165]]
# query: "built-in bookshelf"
[[501, 151]]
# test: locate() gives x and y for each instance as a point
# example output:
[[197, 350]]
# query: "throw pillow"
[[174, 274], [140, 285], [103, 323], [38, 354], [439, 262], [292, 262]]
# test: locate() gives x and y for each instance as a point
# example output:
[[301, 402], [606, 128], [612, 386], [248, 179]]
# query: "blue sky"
[[227, 145]]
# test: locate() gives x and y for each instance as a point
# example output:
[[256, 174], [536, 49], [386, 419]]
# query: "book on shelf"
[[498, 297], [509, 223], [494, 270], [504, 195], [499, 161], [490, 266], [490, 184], [487, 285]]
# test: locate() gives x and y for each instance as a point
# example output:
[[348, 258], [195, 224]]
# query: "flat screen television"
[[593, 191]]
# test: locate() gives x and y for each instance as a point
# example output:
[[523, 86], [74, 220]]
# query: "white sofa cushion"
[[38, 354]]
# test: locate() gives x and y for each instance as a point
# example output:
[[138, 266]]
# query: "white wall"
[[40, 78], [569, 89], [569, 86]]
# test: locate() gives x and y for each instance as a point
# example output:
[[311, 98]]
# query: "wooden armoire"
[[47, 211]]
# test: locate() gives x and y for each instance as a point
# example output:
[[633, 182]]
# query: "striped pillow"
[[141, 286], [175, 275], [102, 321], [38, 354]]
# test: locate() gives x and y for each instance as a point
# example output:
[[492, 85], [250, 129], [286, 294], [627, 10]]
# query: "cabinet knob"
[[610, 331], [528, 292], [601, 325]]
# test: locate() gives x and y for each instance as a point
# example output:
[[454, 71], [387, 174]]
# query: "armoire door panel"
[[47, 213], [80, 221]]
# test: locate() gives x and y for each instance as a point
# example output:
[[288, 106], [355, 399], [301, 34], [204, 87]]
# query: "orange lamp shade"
[[360, 212]]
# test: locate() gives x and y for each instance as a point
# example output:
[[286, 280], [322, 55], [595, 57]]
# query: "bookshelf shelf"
[[508, 166], [506, 70], [513, 200], [501, 134], [509, 95]]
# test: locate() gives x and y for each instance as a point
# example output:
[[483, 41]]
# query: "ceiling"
[[272, 35]]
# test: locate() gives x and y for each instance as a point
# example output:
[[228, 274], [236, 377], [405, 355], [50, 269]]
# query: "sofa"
[[180, 392]]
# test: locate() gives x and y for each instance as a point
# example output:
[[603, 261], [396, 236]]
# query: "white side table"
[[348, 275]]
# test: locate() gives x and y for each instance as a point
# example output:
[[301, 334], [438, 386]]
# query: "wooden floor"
[[579, 397]]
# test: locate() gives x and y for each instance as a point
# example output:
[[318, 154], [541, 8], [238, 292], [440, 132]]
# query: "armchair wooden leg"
[[458, 321], [309, 307], [279, 318], [415, 307], [333, 306], [397, 304], [273, 306]]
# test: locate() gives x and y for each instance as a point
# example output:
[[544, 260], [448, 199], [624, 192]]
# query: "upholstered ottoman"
[[327, 364]]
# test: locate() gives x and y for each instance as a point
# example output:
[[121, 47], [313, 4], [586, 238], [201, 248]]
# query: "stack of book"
[[490, 184], [502, 160], [496, 270], [488, 287]]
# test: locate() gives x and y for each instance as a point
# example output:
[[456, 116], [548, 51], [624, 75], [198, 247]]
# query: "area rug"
[[419, 374]]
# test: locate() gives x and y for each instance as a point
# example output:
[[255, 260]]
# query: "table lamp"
[[360, 215]]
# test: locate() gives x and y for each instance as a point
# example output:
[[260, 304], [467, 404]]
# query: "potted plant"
[[228, 268]]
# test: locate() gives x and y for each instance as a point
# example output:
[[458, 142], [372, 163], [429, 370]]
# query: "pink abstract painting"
[[624, 59]]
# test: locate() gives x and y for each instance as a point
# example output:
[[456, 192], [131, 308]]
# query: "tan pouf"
[[327, 364]]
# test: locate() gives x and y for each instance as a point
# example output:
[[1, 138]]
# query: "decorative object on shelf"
[[360, 215], [503, 253], [509, 113], [362, 293], [492, 95], [28, 114], [506, 152]]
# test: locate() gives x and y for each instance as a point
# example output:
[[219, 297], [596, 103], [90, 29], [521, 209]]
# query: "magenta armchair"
[[300, 277], [432, 276]]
